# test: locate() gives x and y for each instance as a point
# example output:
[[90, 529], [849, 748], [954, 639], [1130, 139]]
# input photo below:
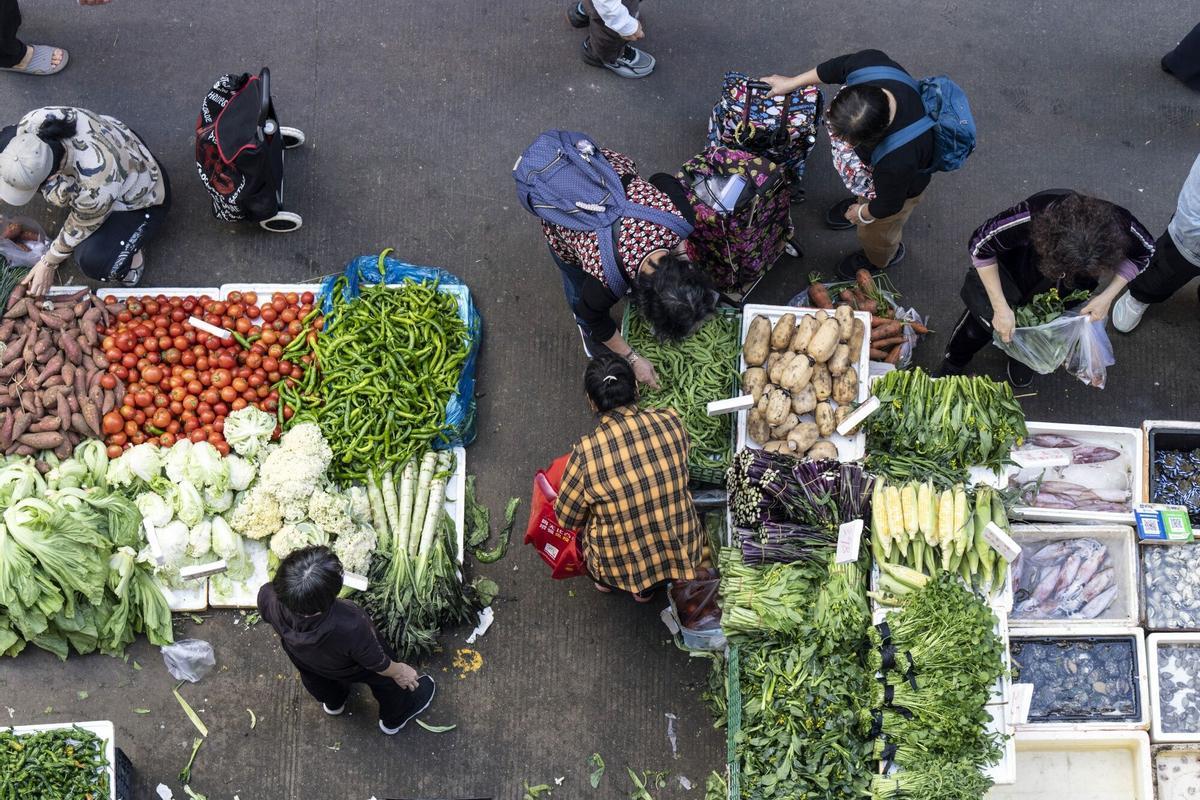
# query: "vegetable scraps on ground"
[[937, 428], [891, 326], [66, 762], [390, 362], [177, 381], [70, 574], [692, 373], [54, 388], [415, 588]]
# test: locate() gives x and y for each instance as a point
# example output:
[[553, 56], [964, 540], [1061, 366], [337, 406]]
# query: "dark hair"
[[55, 129], [1078, 236], [308, 580], [675, 298], [859, 115], [609, 382]]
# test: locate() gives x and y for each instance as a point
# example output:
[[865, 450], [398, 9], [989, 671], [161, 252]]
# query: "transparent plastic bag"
[[22, 240], [189, 659], [1072, 341]]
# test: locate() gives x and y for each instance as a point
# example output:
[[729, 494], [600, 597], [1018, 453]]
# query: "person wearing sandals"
[[625, 489], [95, 166], [612, 25], [32, 59]]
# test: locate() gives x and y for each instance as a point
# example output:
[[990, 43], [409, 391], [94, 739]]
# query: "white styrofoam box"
[[102, 728], [194, 597], [243, 594], [1003, 771], [1130, 440], [154, 291], [1176, 771], [1123, 556], [265, 290], [1154, 644], [850, 448], [1154, 614], [1096, 765], [1069, 631], [456, 498]]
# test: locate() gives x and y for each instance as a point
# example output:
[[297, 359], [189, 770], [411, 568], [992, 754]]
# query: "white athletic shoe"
[[1127, 312], [333, 712]]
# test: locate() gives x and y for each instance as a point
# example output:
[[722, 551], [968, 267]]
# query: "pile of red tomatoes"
[[181, 381]]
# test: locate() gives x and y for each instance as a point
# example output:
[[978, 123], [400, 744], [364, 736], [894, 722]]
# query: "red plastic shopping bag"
[[558, 546]]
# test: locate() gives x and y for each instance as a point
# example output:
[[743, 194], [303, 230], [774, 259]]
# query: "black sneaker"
[[851, 264], [577, 16], [632, 63], [1019, 374], [422, 697], [835, 218]]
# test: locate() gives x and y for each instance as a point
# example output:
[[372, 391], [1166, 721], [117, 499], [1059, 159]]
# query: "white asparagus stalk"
[[379, 519], [433, 513], [407, 480], [388, 490], [424, 481]]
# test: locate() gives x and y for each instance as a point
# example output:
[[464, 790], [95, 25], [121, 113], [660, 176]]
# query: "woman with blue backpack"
[[902, 129], [614, 233]]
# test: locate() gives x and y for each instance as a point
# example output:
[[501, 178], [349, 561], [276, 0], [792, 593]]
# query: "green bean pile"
[[691, 374], [390, 360], [63, 763]]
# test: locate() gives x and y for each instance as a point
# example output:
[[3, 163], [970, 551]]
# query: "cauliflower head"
[[294, 537], [258, 514], [330, 510], [354, 549], [293, 470]]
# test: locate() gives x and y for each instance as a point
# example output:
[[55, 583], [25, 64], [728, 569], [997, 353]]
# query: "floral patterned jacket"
[[105, 168]]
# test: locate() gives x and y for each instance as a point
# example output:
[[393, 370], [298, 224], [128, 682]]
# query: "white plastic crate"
[[1121, 544], [456, 499], [194, 597], [1069, 632], [102, 728], [243, 594], [1096, 765], [1161, 611], [1130, 440], [154, 291], [850, 448], [1176, 771], [1003, 771], [1155, 644], [265, 290]]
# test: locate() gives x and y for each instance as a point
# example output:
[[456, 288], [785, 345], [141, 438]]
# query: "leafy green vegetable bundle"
[[390, 362], [938, 427], [691, 374], [1047, 307], [63, 763], [70, 575]]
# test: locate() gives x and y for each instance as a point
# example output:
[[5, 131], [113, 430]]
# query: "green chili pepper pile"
[[63, 763], [692, 373], [389, 360], [958, 421]]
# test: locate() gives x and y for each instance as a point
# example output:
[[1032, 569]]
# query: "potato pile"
[[803, 379]]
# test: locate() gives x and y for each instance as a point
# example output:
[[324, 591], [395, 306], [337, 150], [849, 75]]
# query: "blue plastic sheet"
[[382, 268]]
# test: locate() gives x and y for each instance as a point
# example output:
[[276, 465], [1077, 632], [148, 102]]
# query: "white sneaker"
[[333, 712], [1127, 312]]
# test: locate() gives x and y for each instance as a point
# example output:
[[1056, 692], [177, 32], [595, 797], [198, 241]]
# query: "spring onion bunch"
[[932, 780]]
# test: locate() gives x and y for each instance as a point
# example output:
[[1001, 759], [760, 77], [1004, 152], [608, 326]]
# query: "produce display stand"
[[1093, 765], [1155, 643], [265, 290], [1176, 770], [193, 597], [1071, 632], [244, 594], [707, 476], [154, 291], [1168, 435], [850, 448], [456, 499], [1123, 555], [1151, 617], [1003, 771], [119, 769]]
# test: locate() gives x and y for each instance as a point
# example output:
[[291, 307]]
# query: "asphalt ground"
[[415, 113]]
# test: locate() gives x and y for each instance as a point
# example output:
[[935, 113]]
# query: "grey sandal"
[[42, 62]]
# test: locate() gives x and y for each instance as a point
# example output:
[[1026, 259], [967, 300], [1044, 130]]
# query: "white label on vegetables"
[[849, 537], [203, 570], [212, 330], [862, 412], [730, 406], [1042, 457], [1022, 696], [355, 581], [1001, 542]]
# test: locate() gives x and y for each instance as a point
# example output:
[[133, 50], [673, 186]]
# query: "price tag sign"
[[203, 570], [849, 538], [1042, 458], [212, 330], [1022, 697], [354, 581], [731, 406], [861, 413], [1001, 542]]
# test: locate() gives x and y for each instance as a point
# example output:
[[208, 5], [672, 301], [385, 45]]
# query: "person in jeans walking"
[[612, 25], [863, 115], [333, 643], [1176, 259]]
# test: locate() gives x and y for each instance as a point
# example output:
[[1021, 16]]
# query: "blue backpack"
[[949, 116], [564, 179]]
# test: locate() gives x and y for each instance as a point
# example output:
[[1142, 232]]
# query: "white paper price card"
[[731, 406], [197, 571], [849, 537], [862, 412], [1042, 458], [354, 581], [1022, 697], [212, 330], [1001, 542]]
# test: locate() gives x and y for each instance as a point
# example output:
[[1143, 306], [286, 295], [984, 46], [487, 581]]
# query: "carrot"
[[878, 355], [894, 356], [885, 331], [878, 319], [818, 295], [849, 299], [917, 327], [865, 282], [883, 344]]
